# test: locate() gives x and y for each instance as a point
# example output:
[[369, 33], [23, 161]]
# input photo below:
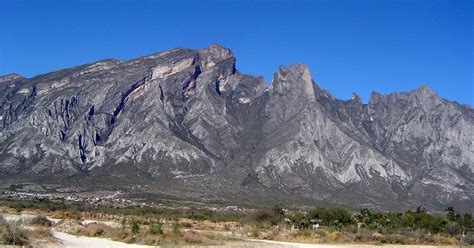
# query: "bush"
[[188, 225], [335, 237], [336, 217], [40, 233], [40, 221], [253, 232], [119, 234], [262, 216], [193, 237], [94, 230], [134, 226], [394, 239], [267, 217], [440, 240], [454, 229], [469, 239], [155, 228], [12, 234], [176, 227], [364, 235]]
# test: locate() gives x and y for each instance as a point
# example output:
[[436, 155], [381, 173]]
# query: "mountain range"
[[187, 125]]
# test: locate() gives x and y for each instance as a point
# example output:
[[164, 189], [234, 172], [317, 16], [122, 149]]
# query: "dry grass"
[[362, 236], [304, 236], [443, 240], [40, 221], [42, 233], [92, 230], [8, 210], [192, 237], [13, 234], [64, 215], [144, 236]]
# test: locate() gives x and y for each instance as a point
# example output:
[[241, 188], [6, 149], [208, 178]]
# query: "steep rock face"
[[429, 132], [311, 154], [188, 121]]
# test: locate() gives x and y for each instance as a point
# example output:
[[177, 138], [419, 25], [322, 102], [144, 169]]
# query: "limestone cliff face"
[[189, 121]]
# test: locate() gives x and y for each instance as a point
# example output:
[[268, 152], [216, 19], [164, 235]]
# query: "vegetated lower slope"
[[186, 124]]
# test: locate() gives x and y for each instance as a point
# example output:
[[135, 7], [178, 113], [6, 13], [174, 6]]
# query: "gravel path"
[[68, 240]]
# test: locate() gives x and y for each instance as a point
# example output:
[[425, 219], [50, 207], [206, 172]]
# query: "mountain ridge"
[[189, 122], [15, 75]]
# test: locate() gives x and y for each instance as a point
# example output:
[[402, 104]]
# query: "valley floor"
[[135, 228]]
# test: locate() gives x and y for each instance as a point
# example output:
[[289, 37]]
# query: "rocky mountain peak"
[[423, 97], [424, 89], [374, 97], [356, 99], [424, 92], [213, 55], [10, 77], [296, 78]]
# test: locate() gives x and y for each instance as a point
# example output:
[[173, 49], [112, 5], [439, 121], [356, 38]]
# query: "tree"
[[420, 209], [451, 214], [467, 221], [332, 216]]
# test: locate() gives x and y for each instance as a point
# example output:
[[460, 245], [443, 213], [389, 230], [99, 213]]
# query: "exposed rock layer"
[[187, 122]]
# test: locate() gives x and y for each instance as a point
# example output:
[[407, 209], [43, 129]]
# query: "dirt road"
[[71, 241], [68, 240]]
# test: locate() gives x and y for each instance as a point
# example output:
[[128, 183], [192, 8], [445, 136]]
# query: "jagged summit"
[[296, 78], [356, 98], [213, 55], [424, 90], [10, 77], [186, 124]]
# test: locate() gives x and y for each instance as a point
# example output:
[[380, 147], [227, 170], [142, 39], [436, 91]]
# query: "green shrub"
[[176, 226], [134, 227], [155, 228], [336, 217], [267, 217]]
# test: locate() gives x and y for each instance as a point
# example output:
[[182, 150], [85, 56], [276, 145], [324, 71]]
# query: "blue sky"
[[349, 46]]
